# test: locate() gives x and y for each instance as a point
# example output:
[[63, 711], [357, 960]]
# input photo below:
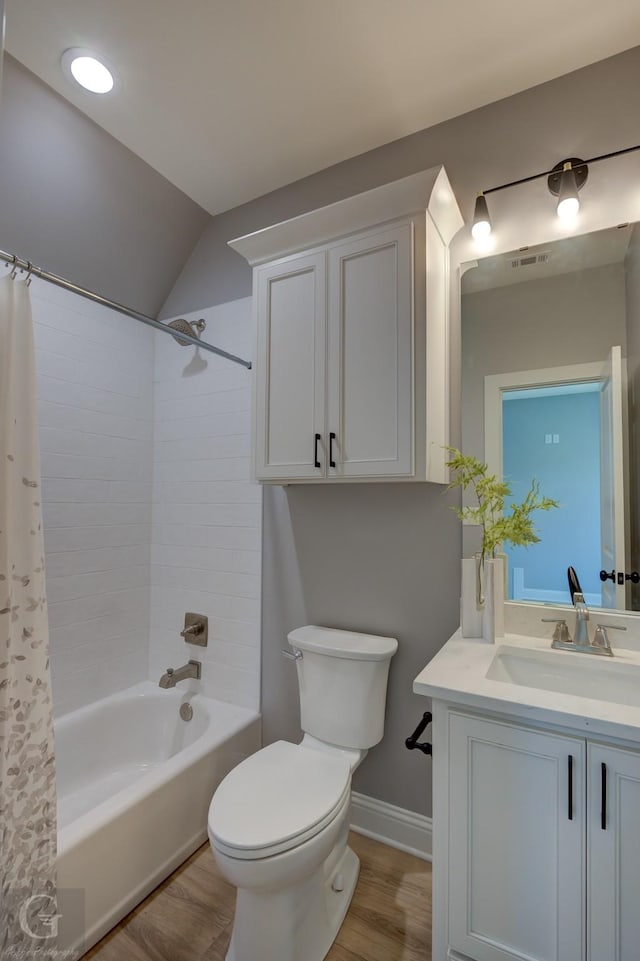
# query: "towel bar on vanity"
[[411, 743]]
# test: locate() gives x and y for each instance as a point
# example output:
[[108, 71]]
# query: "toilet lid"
[[276, 799]]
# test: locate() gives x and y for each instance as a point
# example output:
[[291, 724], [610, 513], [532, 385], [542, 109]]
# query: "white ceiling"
[[230, 99]]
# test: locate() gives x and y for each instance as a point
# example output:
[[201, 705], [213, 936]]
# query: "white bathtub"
[[134, 786]]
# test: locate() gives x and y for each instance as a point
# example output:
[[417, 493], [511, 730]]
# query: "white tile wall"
[[95, 410], [148, 508], [207, 516]]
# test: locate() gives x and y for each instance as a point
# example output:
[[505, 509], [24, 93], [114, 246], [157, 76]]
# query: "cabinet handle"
[[603, 804], [316, 462], [570, 797], [332, 437]]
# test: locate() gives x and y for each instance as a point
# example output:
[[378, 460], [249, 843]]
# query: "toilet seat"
[[276, 799]]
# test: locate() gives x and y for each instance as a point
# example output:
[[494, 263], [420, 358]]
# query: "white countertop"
[[457, 674]]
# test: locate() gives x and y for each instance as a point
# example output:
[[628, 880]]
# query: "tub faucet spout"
[[172, 675]]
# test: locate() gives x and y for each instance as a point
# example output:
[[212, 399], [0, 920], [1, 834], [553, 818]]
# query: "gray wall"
[[76, 201], [377, 558], [385, 558]]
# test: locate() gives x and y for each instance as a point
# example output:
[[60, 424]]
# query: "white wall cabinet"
[[290, 380], [536, 843], [351, 315], [370, 354]]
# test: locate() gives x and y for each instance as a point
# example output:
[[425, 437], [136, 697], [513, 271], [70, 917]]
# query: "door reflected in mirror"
[[550, 373]]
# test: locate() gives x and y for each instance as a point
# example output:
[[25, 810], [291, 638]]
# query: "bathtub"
[[134, 786]]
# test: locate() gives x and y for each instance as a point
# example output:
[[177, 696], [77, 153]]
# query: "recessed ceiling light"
[[86, 69]]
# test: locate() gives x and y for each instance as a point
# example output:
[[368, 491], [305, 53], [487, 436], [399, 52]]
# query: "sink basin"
[[567, 673]]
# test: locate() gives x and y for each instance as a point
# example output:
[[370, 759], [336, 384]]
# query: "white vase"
[[493, 610], [471, 597]]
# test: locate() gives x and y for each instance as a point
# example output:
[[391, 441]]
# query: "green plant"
[[516, 526]]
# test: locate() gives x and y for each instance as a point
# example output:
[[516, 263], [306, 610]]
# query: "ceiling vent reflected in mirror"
[[528, 260], [568, 255]]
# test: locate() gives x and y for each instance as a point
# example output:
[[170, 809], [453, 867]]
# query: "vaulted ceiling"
[[229, 99]]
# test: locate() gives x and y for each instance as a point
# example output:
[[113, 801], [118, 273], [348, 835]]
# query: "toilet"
[[279, 822]]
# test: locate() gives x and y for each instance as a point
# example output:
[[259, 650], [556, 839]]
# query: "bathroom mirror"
[[550, 357]]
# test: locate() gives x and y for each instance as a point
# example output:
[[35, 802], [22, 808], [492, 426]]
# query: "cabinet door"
[[613, 837], [370, 373], [290, 374], [516, 842]]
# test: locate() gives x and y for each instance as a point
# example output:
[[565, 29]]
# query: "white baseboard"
[[392, 825]]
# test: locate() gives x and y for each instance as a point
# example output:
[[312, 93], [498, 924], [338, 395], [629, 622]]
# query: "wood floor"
[[190, 916]]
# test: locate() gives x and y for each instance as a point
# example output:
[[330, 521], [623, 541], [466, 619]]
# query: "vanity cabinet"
[[613, 846], [516, 842], [536, 843], [351, 318]]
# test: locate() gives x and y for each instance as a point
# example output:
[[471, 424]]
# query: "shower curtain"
[[28, 916]]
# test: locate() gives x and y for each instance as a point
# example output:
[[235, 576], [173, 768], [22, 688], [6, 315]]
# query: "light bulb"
[[568, 203], [568, 207], [85, 68], [481, 221], [481, 230]]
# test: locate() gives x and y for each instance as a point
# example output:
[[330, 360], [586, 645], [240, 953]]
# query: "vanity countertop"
[[458, 674]]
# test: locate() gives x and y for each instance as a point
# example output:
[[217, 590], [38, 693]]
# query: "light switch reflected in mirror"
[[550, 374]]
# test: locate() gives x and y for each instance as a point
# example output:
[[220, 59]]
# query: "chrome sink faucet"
[[562, 640], [581, 633], [171, 676]]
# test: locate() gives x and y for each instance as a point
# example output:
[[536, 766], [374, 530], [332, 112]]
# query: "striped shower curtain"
[[28, 917]]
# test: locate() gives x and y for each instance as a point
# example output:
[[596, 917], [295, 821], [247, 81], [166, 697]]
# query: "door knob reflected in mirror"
[[621, 577]]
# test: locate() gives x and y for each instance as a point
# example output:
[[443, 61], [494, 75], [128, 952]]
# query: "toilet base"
[[296, 924]]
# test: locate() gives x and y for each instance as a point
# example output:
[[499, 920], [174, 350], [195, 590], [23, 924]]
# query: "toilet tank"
[[342, 676]]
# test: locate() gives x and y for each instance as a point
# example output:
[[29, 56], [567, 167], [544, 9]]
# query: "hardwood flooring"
[[189, 917]]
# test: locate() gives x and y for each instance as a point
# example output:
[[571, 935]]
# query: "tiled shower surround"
[[207, 516], [148, 510]]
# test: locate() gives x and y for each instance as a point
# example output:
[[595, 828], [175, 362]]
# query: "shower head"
[[191, 327]]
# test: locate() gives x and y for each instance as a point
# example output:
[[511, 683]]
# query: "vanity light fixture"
[[87, 70], [569, 177], [564, 181]]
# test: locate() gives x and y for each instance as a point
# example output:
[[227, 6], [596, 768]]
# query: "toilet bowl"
[[279, 822], [278, 830]]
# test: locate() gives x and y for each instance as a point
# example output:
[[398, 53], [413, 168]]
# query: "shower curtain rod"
[[27, 266]]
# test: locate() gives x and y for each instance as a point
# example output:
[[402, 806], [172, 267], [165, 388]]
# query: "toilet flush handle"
[[296, 655]]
